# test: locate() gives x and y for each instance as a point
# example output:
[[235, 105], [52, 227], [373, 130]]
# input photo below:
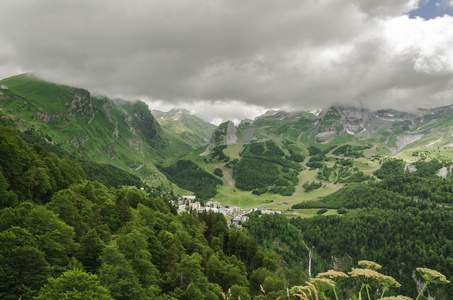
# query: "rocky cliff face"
[[393, 128], [147, 123], [142, 127], [81, 105], [46, 117], [225, 134], [339, 120]]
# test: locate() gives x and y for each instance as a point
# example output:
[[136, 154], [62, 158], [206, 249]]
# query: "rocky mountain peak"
[[173, 114], [343, 120], [225, 134], [179, 110]]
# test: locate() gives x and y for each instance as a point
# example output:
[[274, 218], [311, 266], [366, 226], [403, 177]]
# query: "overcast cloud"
[[242, 56]]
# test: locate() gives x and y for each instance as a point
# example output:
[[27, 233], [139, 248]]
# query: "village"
[[188, 203]]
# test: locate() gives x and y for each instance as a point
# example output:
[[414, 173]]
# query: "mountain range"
[[139, 140]]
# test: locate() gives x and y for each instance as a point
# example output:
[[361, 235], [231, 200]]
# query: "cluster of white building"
[[187, 203]]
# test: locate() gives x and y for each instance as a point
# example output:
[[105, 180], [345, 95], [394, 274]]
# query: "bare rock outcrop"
[[409, 168], [46, 117], [225, 134], [343, 120], [81, 106]]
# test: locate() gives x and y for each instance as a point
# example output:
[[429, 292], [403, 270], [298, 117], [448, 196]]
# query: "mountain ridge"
[[122, 133], [131, 136], [190, 127]]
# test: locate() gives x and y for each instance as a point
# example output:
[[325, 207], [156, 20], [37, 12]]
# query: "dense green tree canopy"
[[191, 177], [63, 236], [74, 284]]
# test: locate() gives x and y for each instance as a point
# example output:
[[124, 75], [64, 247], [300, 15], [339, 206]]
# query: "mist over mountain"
[[208, 150], [185, 124], [345, 164], [231, 61]]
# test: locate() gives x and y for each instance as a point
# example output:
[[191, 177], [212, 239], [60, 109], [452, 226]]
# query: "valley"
[[134, 138], [106, 172]]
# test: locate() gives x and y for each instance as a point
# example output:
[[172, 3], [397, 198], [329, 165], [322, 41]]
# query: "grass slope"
[[122, 134]]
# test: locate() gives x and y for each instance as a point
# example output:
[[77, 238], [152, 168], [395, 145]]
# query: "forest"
[[106, 174], [190, 176], [264, 167], [64, 236], [400, 240], [402, 222]]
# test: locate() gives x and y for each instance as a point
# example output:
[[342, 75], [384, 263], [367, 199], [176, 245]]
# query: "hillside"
[[121, 133], [280, 157], [372, 199], [305, 155], [64, 237], [192, 129]]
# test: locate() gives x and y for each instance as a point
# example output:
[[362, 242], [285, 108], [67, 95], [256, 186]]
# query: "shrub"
[[342, 211], [322, 211], [218, 172]]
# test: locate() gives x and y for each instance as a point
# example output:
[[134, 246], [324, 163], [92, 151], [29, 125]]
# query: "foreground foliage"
[[370, 281]]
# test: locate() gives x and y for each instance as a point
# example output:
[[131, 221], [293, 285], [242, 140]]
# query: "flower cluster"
[[367, 275], [432, 276], [388, 281], [367, 264], [333, 275]]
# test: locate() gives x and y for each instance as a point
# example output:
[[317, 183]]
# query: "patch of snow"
[[390, 120], [385, 119], [434, 142], [349, 132]]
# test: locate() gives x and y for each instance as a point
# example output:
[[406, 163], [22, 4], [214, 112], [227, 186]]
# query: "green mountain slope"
[[315, 155], [192, 129], [96, 128], [318, 152]]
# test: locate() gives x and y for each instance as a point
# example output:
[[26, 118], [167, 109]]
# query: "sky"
[[235, 59]]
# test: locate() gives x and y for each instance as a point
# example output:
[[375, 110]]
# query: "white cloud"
[[214, 112], [429, 44], [259, 53]]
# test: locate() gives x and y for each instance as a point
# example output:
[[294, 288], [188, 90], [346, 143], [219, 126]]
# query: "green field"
[[309, 213]]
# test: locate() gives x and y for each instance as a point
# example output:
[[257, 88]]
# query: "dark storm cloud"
[[261, 53]]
